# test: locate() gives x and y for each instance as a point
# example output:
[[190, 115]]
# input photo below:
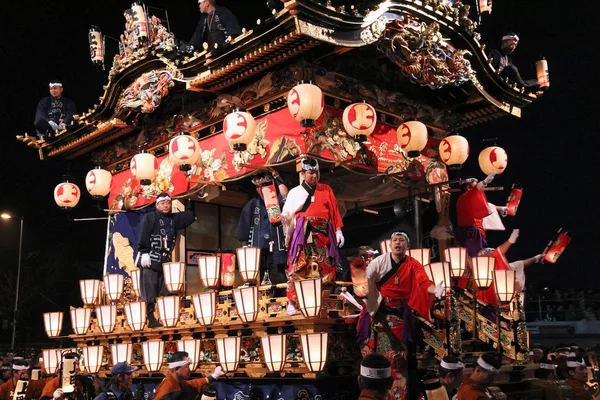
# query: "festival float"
[[376, 91]]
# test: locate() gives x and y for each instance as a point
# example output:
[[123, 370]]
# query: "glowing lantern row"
[[193, 348], [144, 167], [174, 275], [53, 323], [97, 182], [493, 160], [51, 358], [505, 285], [275, 350], [135, 312], [246, 303], [482, 271], [92, 358], [184, 151], [306, 103], [168, 310], [457, 258], [107, 318], [205, 307], [308, 292], [209, 268], [80, 320], [454, 150], [228, 350], [359, 120], [67, 195], [135, 282], [249, 262], [412, 137], [121, 352], [422, 255], [90, 291], [314, 350], [153, 354], [543, 77], [113, 286], [239, 128], [439, 272]]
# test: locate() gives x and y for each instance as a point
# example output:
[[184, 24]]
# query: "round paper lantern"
[[454, 150], [412, 137], [144, 167], [493, 160], [184, 151], [67, 195], [306, 102], [239, 128], [359, 120], [97, 182]]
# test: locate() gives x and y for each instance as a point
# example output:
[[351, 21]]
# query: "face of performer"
[[399, 246], [56, 91], [509, 45], [365, 254], [452, 380], [205, 7], [311, 177], [125, 380], [182, 373], [164, 206], [482, 376], [21, 374], [579, 374]]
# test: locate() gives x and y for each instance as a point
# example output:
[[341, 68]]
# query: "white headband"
[[575, 364], [486, 366], [547, 366], [182, 363], [19, 367], [403, 234], [55, 84], [451, 366], [507, 37], [162, 197], [375, 373]]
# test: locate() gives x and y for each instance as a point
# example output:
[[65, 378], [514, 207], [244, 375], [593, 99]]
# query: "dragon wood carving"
[[423, 55]]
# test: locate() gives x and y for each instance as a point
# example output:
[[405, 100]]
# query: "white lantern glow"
[[493, 160], [246, 302], [135, 282], [168, 310], [360, 120], [228, 350], [505, 285], [121, 352], [439, 272], [205, 305], [174, 273], [92, 358], [275, 350], [192, 347], [385, 246], [308, 292], [412, 137], [249, 262], [482, 271], [96, 42], [454, 150], [53, 323], [314, 350], [543, 77], [306, 103], [239, 128], [209, 268], [113, 286], [90, 291], [457, 257], [97, 182], [51, 358], [144, 167], [67, 195], [422, 255], [107, 318], [80, 320], [153, 354], [135, 312], [184, 151]]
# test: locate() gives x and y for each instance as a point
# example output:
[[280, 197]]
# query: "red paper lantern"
[[454, 150], [412, 137], [67, 195], [184, 151], [512, 204], [557, 247], [493, 160], [97, 182], [144, 167], [359, 120], [239, 128], [306, 102]]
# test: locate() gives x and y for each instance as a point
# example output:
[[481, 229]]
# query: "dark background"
[[552, 149]]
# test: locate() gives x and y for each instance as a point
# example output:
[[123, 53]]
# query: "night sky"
[[552, 149]]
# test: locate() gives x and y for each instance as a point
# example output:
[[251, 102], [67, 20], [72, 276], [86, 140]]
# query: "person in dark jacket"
[[157, 240], [55, 112], [501, 61], [215, 26], [120, 383]]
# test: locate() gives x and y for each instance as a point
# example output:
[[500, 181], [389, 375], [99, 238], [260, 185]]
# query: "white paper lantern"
[[306, 103], [184, 151], [239, 128], [454, 150], [67, 195], [360, 120], [412, 137], [97, 182], [493, 160], [144, 167]]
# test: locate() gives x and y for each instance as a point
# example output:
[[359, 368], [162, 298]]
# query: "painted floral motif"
[[209, 167], [258, 146], [250, 350], [208, 352]]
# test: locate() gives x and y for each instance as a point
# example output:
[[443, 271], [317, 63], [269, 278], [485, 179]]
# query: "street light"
[[14, 332]]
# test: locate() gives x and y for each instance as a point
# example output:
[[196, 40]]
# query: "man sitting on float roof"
[[216, 24], [503, 63], [54, 113]]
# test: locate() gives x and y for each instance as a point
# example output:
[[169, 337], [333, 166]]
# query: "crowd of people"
[[572, 304]]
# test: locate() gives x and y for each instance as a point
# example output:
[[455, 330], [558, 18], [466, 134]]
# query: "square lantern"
[[53, 323], [209, 268], [385, 246], [249, 262], [504, 283], [51, 359], [482, 271], [192, 347], [457, 257], [168, 310], [80, 320], [275, 350], [422, 255], [121, 352], [113, 286], [246, 302], [314, 350], [107, 318], [92, 358], [135, 282], [308, 293], [439, 272], [90, 291], [174, 274], [205, 307], [228, 350], [153, 354], [135, 313]]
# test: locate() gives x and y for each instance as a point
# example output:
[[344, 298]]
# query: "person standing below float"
[[255, 228], [475, 386], [398, 285], [450, 372], [120, 383], [21, 371], [577, 380], [54, 113], [216, 24], [177, 379], [375, 379], [313, 227], [157, 240]]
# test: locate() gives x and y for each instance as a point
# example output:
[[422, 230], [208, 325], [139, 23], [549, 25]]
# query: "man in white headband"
[[547, 370], [21, 373], [54, 113], [450, 372], [577, 379], [158, 232], [475, 386], [375, 379], [178, 377], [501, 61]]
